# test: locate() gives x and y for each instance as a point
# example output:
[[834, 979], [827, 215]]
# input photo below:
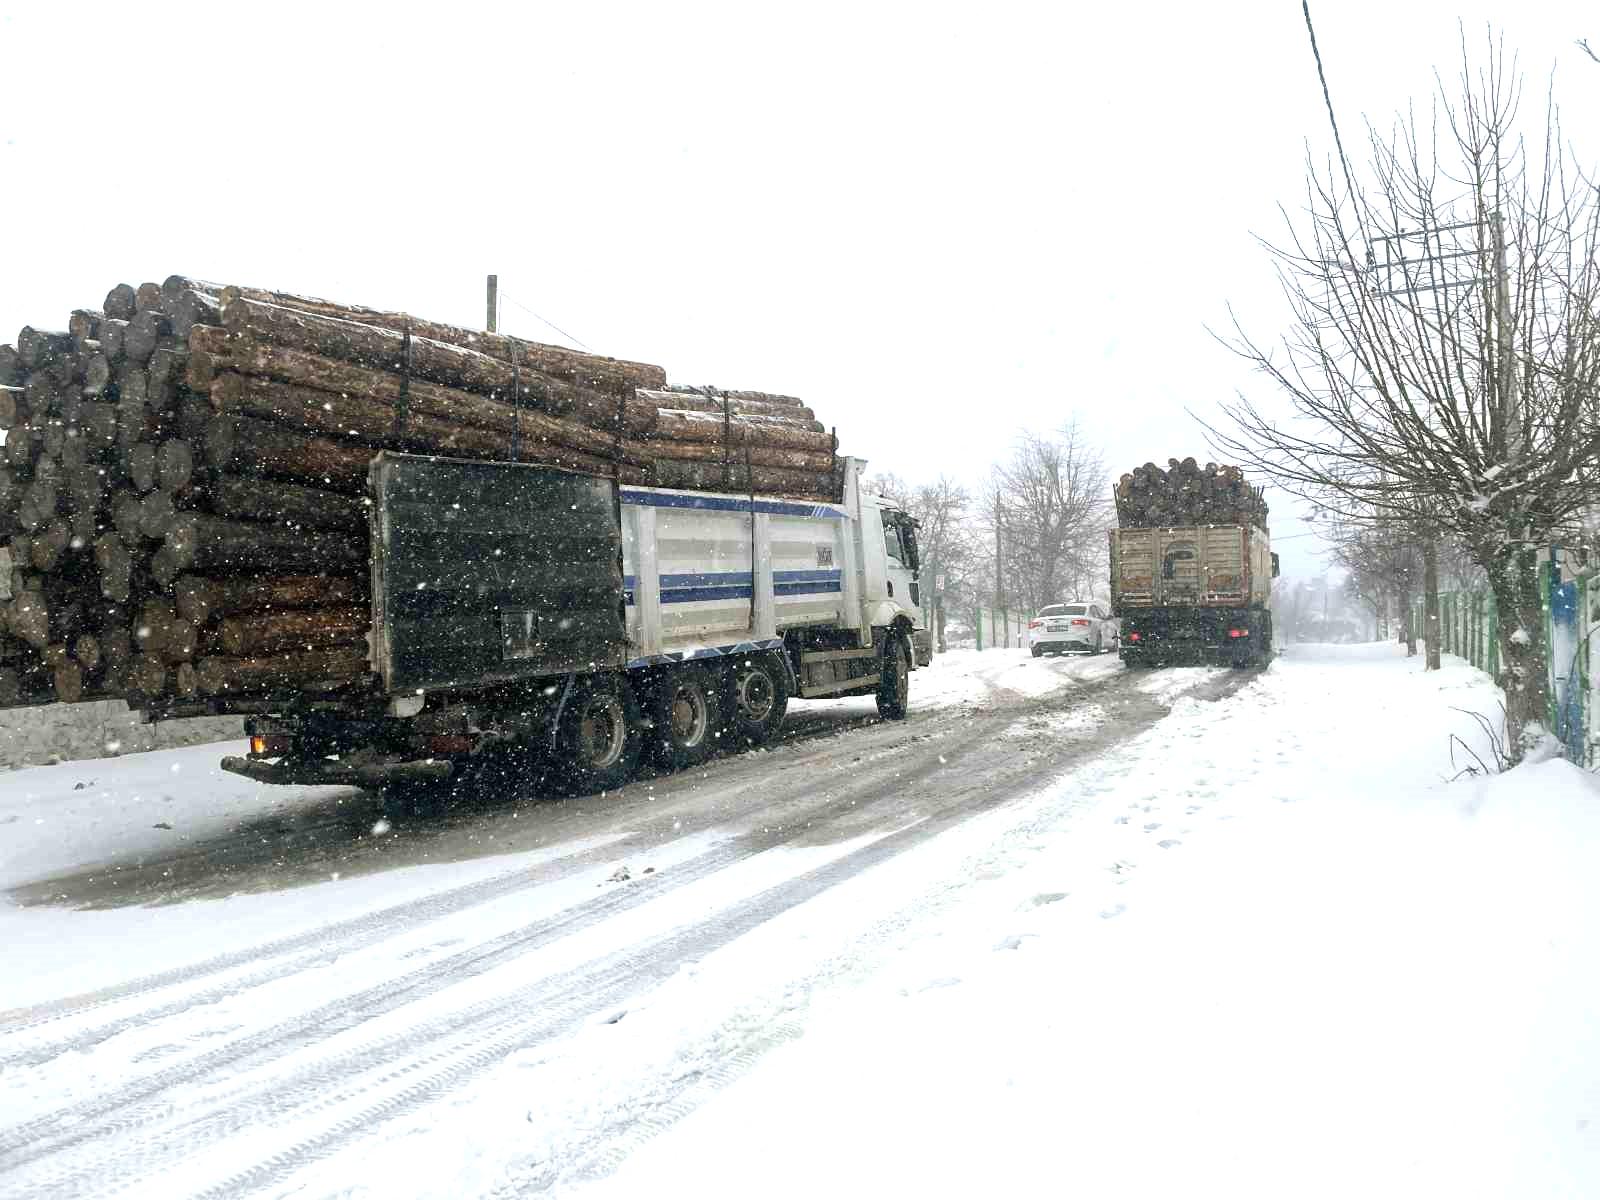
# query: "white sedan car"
[[1085, 627]]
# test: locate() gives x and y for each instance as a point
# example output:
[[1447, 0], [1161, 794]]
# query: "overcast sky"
[[938, 224]]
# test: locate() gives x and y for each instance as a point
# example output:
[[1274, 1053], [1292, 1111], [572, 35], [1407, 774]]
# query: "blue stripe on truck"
[[690, 588]]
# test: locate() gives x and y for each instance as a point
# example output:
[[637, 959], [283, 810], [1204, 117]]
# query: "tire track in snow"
[[328, 942], [461, 1045], [68, 1126], [575, 995]]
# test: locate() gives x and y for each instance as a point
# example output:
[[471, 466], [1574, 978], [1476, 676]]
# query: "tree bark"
[[436, 362], [113, 334], [243, 446], [681, 426], [1430, 602], [301, 629], [200, 599], [589, 369], [116, 567], [69, 683], [121, 302], [201, 542], [488, 433], [336, 666], [1519, 604], [711, 477], [174, 464], [785, 410], [245, 499], [818, 462], [38, 348], [86, 650], [139, 465], [13, 406], [144, 333]]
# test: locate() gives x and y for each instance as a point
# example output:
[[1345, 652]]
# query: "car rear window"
[[1063, 610]]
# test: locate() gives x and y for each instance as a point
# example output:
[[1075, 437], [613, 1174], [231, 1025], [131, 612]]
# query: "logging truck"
[[572, 624], [1192, 566]]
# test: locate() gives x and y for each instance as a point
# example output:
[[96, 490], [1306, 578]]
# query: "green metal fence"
[[1469, 629]]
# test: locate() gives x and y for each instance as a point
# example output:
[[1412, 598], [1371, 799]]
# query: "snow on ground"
[[54, 818], [1279, 956], [1264, 949]]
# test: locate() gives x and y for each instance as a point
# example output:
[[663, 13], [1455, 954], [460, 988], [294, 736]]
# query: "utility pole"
[[494, 304]]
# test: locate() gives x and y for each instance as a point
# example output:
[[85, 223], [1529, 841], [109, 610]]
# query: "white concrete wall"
[[97, 729]]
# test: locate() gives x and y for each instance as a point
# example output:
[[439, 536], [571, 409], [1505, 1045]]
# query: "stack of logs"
[[1187, 494], [183, 510]]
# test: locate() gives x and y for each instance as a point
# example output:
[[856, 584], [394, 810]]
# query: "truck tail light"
[[1238, 633], [269, 746]]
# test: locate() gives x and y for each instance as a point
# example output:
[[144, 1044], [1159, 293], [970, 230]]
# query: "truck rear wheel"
[[755, 698], [600, 735], [687, 712], [894, 679]]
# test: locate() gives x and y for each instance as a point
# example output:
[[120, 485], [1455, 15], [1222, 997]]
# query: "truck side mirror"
[[1274, 564]]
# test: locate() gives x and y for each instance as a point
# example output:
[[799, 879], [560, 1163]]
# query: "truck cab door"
[[900, 555]]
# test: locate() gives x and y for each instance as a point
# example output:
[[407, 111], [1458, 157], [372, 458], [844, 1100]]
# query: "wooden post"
[[492, 320]]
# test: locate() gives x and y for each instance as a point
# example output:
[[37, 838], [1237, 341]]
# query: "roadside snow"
[[1280, 958]]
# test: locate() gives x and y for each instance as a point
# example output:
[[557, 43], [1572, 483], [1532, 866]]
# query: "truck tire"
[[755, 697], [599, 736], [686, 713], [894, 679]]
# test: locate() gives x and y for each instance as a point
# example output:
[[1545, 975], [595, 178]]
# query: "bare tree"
[[1384, 561], [1443, 366], [1054, 510], [949, 541]]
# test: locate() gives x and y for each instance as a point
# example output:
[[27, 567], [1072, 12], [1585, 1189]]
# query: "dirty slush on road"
[[777, 788]]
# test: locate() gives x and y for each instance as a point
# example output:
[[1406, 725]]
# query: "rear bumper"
[[1081, 638], [1176, 633], [332, 771]]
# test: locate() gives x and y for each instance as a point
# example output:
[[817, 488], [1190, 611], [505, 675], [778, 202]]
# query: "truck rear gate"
[[1191, 593]]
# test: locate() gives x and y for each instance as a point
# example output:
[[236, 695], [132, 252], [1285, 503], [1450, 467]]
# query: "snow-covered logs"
[[1185, 493], [183, 513]]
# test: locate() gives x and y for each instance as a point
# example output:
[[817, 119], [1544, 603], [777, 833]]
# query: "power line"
[[545, 321], [1344, 161]]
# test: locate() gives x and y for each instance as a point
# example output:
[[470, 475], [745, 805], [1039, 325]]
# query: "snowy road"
[[328, 977]]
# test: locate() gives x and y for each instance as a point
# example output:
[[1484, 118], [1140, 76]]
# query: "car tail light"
[[270, 746], [1133, 637], [1238, 633], [1034, 624], [1079, 621], [446, 743]]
